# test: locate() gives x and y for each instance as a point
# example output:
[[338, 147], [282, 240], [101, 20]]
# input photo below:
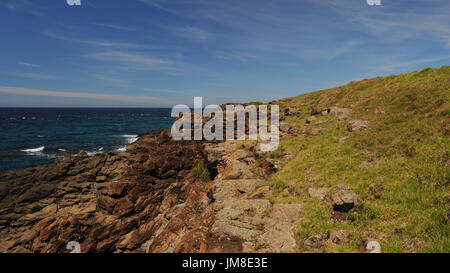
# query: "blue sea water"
[[36, 136]]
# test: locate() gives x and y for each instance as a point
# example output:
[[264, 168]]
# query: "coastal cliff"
[[364, 162]]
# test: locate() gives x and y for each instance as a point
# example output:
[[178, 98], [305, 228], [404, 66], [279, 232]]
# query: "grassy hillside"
[[399, 166]]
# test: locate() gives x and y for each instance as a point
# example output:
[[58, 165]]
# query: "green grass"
[[410, 143], [200, 172]]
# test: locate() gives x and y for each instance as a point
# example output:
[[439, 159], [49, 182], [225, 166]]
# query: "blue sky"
[[149, 53]]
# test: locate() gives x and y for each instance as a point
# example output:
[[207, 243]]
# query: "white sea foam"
[[130, 138], [121, 149], [35, 150], [99, 151]]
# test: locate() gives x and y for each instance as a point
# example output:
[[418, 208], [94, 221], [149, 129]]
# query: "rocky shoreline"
[[146, 200]]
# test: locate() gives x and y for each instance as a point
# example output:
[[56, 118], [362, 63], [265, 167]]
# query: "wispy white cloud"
[[136, 61], [92, 42], [397, 20], [237, 56], [28, 64], [113, 80], [107, 97], [341, 50], [116, 27], [23, 5], [33, 75], [390, 65], [192, 33]]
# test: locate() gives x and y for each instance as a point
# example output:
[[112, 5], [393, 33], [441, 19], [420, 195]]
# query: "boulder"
[[344, 199]]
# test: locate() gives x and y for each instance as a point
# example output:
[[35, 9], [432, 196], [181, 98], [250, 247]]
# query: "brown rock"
[[231, 171], [101, 178]]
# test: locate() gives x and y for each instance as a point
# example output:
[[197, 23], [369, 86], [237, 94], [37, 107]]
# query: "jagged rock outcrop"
[[146, 200], [108, 202]]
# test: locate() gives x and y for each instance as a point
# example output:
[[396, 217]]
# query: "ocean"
[[36, 136]]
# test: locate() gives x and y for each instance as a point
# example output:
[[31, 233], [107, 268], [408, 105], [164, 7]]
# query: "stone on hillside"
[[318, 193], [238, 155], [341, 113], [231, 171], [313, 131], [246, 185], [344, 199], [314, 110], [286, 128], [357, 125], [311, 120], [314, 242], [214, 152], [291, 111], [261, 193], [338, 237]]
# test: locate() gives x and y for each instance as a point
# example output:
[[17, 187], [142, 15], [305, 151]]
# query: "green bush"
[[200, 172]]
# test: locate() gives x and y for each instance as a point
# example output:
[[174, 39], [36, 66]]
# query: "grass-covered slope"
[[399, 166]]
